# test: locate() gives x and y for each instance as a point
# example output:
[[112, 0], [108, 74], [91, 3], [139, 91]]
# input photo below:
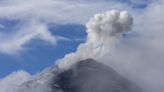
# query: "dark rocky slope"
[[85, 76], [91, 76]]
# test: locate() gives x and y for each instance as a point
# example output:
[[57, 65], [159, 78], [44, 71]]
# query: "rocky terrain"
[[85, 76]]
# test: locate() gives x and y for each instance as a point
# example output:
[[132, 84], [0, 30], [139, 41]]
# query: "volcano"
[[85, 76]]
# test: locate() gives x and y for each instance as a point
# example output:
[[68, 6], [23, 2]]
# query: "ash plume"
[[103, 30]]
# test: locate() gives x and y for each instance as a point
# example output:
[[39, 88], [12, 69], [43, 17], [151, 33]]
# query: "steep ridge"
[[91, 76], [85, 76]]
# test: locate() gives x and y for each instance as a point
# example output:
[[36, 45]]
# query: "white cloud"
[[2, 26], [15, 41], [140, 2], [44, 12], [138, 57], [103, 29], [12, 81], [59, 11]]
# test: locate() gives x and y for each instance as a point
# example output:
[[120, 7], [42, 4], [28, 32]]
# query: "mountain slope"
[[85, 76], [91, 76]]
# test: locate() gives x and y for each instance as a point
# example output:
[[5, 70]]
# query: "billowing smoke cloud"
[[138, 56], [103, 30]]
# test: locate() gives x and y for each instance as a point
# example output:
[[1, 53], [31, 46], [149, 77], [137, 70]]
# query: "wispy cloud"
[[2, 26], [13, 42], [59, 11], [44, 12]]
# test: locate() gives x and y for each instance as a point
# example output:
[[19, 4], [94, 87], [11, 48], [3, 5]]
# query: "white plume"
[[103, 30]]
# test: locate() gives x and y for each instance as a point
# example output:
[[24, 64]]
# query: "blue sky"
[[38, 53], [41, 55]]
